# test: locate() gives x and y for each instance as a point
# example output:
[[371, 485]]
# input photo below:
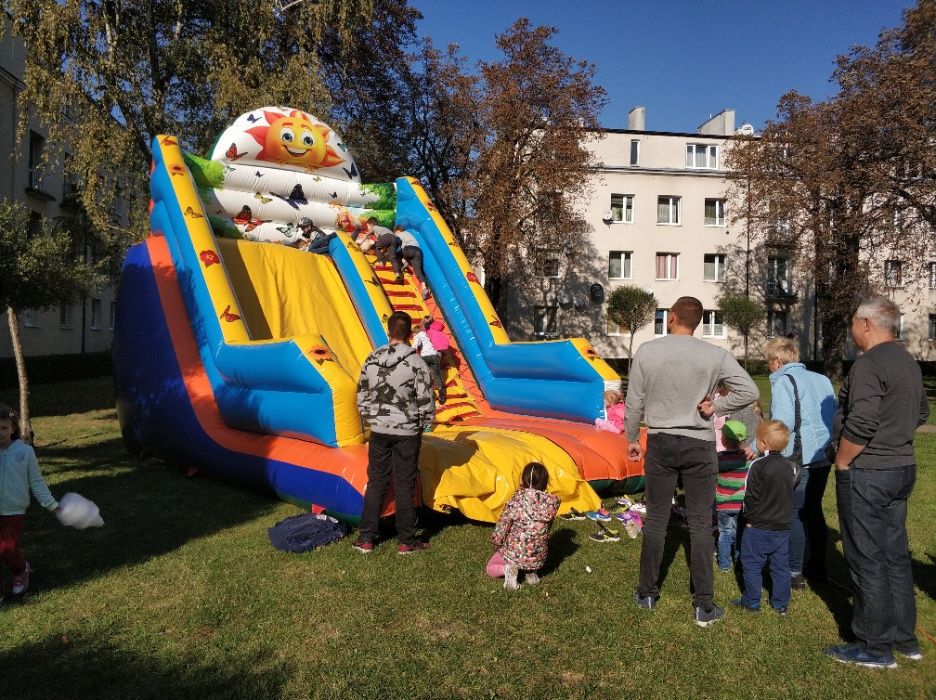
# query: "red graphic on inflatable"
[[472, 277], [228, 316], [209, 258]]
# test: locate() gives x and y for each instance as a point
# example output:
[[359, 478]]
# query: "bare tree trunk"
[[630, 354], [26, 433]]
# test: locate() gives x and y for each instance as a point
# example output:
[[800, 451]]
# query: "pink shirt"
[[616, 415]]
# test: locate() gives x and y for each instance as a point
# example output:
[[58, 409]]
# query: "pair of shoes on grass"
[[703, 617], [366, 547]]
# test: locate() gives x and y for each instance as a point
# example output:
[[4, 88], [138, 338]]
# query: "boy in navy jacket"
[[768, 507]]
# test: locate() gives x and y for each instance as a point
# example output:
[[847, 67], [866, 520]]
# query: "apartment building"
[[77, 327], [660, 219]]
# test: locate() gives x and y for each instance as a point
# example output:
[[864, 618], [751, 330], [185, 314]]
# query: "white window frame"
[[771, 313], [719, 261], [709, 324], [113, 315], [620, 332], [622, 255], [29, 318], [782, 283], [665, 317], [549, 314], [719, 212], [65, 316], [671, 264], [890, 267], [674, 205], [710, 152], [96, 311], [36, 146], [932, 326], [626, 210], [634, 147], [932, 275]]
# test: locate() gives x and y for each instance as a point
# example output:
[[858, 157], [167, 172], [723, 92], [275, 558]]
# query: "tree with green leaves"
[[743, 314], [632, 308], [850, 182], [37, 272]]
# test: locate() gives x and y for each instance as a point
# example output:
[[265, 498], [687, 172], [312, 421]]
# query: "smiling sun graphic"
[[294, 140]]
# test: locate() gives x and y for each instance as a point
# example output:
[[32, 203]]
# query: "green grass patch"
[[180, 595]]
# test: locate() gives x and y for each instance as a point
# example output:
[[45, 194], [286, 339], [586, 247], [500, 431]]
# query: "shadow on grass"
[[149, 509], [924, 574], [562, 544], [66, 398], [59, 667]]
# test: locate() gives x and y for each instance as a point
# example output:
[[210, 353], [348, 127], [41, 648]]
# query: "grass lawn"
[[180, 595]]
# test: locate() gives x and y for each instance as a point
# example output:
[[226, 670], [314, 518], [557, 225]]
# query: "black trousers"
[[414, 256], [395, 456], [668, 458], [434, 363]]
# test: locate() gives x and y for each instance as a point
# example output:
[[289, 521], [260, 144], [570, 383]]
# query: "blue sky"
[[682, 59]]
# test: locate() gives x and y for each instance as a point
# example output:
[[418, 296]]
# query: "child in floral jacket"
[[522, 531]]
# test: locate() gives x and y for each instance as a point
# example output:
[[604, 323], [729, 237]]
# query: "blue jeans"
[[757, 548], [872, 506], [727, 534], [808, 526]]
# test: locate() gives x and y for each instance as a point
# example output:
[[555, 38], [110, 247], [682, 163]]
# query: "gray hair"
[[881, 311]]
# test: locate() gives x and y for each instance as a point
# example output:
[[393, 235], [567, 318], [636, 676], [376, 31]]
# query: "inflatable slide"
[[237, 353]]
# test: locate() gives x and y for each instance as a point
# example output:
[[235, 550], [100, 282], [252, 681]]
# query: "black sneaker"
[[798, 582], [913, 654], [647, 602], [704, 618]]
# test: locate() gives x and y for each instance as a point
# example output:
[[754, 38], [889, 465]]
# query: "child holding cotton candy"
[[19, 475]]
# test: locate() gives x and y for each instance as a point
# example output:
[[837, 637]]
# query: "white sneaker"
[[510, 577], [531, 578], [21, 582]]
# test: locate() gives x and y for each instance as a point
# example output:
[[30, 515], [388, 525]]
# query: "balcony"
[[779, 290]]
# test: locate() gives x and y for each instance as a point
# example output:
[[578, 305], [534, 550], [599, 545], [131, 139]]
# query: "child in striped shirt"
[[729, 490]]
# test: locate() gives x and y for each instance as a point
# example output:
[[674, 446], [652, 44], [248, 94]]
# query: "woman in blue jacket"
[[789, 381]]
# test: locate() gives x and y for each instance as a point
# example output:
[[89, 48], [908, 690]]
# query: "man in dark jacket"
[[395, 397], [881, 404]]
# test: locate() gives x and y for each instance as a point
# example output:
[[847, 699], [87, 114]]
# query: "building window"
[[932, 275], [622, 208], [95, 314], [29, 318], [668, 210], [544, 321], [714, 212], [546, 263], [113, 314], [619, 264], [65, 315], [667, 266], [714, 267], [659, 322], [701, 156], [36, 152], [777, 322], [932, 326], [893, 273], [713, 326], [778, 281], [635, 152], [900, 326], [34, 227], [615, 329]]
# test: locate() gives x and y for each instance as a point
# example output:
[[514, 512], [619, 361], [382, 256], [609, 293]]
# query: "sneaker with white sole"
[[704, 618], [647, 602], [858, 656], [572, 515], [21, 582], [531, 578], [912, 654], [363, 546], [605, 536], [602, 515]]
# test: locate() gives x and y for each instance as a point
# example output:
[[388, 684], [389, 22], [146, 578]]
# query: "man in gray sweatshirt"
[[670, 388], [881, 404]]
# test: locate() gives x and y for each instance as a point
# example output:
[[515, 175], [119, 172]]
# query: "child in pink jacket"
[[613, 421]]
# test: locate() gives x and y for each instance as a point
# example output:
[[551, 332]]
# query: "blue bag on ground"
[[305, 532]]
